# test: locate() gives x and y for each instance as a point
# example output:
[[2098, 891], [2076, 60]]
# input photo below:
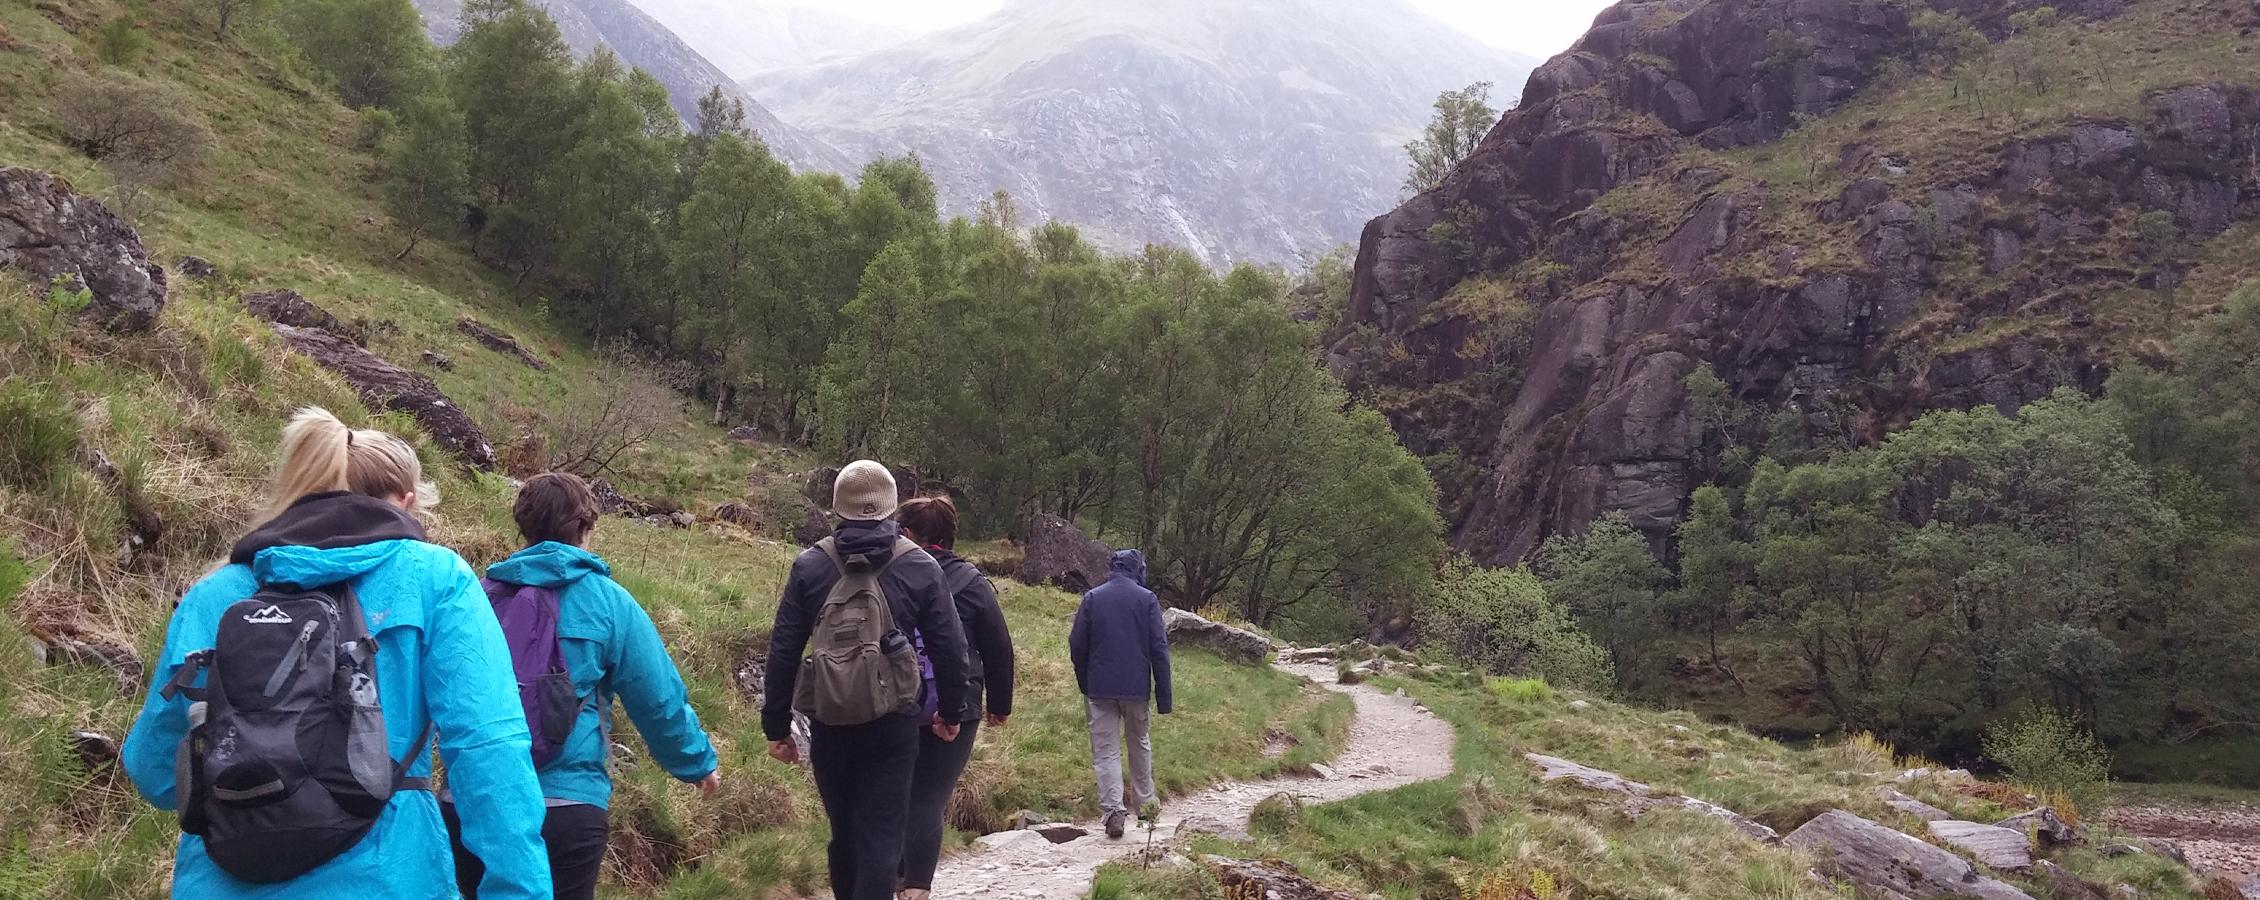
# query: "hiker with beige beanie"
[[864, 614]]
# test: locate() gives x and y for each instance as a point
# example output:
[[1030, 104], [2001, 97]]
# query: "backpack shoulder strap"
[[962, 576], [831, 548]]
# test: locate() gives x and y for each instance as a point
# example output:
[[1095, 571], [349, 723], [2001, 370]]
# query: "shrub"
[[136, 129], [2052, 753], [121, 41], [38, 433], [1501, 621], [1276, 815], [1521, 690]]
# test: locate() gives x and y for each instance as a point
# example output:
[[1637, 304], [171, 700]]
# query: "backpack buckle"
[[183, 682]]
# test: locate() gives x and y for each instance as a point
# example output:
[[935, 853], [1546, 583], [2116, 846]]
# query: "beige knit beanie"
[[865, 492]]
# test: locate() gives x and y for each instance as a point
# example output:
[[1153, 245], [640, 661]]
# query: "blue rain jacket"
[[612, 649], [1119, 645], [440, 659]]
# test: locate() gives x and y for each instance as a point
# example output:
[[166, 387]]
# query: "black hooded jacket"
[[329, 521], [988, 643], [916, 593]]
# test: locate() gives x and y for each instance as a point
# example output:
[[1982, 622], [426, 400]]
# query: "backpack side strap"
[[183, 683], [418, 750]]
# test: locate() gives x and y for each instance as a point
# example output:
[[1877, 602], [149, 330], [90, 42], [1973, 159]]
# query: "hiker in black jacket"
[[932, 522], [863, 771]]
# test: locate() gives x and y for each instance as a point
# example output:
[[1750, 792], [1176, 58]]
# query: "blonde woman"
[[291, 715]]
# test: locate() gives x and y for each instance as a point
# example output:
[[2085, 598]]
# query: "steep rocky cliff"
[[1824, 203]]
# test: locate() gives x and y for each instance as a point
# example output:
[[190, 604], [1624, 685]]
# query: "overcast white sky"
[[1540, 28]]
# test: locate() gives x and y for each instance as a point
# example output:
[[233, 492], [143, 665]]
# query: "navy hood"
[[1129, 564]]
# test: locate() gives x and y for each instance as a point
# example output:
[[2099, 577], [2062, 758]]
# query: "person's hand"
[[947, 731], [711, 784], [785, 751], [995, 721]]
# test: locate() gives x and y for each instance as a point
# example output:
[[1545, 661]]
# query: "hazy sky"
[[1540, 28]]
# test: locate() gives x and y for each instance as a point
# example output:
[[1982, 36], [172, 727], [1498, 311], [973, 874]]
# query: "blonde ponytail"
[[384, 466], [315, 449]]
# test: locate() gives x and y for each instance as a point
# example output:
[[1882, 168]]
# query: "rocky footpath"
[[1859, 309]]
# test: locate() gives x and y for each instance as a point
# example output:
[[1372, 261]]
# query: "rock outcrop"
[[1061, 555], [1239, 645], [2003, 849], [1892, 864], [292, 308], [1269, 879], [50, 231], [499, 341], [383, 385], [1639, 798], [1511, 321]]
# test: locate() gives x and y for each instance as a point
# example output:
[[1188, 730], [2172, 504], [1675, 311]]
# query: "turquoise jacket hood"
[[549, 564], [613, 650]]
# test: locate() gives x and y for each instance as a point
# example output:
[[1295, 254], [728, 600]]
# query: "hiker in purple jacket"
[[609, 649], [1121, 653]]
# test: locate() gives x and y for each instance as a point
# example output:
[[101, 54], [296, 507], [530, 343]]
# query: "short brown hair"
[[932, 519], [555, 506]]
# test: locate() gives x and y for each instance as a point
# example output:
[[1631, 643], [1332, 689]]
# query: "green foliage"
[[1462, 118], [121, 41], [1502, 622], [373, 52], [425, 180], [38, 433], [2052, 752], [1610, 580], [1521, 690], [1944, 40]]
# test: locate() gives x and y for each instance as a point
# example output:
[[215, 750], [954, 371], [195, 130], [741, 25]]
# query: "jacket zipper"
[[290, 660]]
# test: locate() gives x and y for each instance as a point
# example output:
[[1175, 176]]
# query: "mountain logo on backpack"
[[272, 615]]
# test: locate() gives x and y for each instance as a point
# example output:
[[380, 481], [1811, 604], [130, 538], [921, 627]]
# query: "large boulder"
[[1892, 864], [2003, 849], [1060, 554], [1236, 644], [383, 385], [49, 231]]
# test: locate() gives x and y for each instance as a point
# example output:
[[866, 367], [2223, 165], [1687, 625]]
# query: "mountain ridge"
[[1193, 124], [642, 41]]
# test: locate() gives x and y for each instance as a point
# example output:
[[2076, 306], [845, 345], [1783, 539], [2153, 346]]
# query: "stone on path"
[[1012, 840], [2003, 849], [1060, 833], [1894, 864]]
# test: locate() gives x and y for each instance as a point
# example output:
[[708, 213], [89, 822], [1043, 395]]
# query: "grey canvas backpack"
[[860, 666]]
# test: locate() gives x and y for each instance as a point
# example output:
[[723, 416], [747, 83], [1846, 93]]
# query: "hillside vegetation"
[[132, 460]]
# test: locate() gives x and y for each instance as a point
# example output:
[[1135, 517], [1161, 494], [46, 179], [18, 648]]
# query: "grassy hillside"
[[188, 414]]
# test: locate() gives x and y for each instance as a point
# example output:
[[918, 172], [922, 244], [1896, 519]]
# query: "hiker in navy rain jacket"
[[612, 650], [440, 661], [1121, 654]]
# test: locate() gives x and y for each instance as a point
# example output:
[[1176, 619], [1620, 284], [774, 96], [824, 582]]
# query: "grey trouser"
[[1113, 723]]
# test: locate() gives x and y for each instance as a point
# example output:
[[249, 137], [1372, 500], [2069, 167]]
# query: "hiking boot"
[[1116, 821]]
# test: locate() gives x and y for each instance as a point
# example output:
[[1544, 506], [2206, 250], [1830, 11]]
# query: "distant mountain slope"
[[1264, 130], [745, 37], [643, 42]]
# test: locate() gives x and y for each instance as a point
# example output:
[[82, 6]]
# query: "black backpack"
[[285, 765]]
